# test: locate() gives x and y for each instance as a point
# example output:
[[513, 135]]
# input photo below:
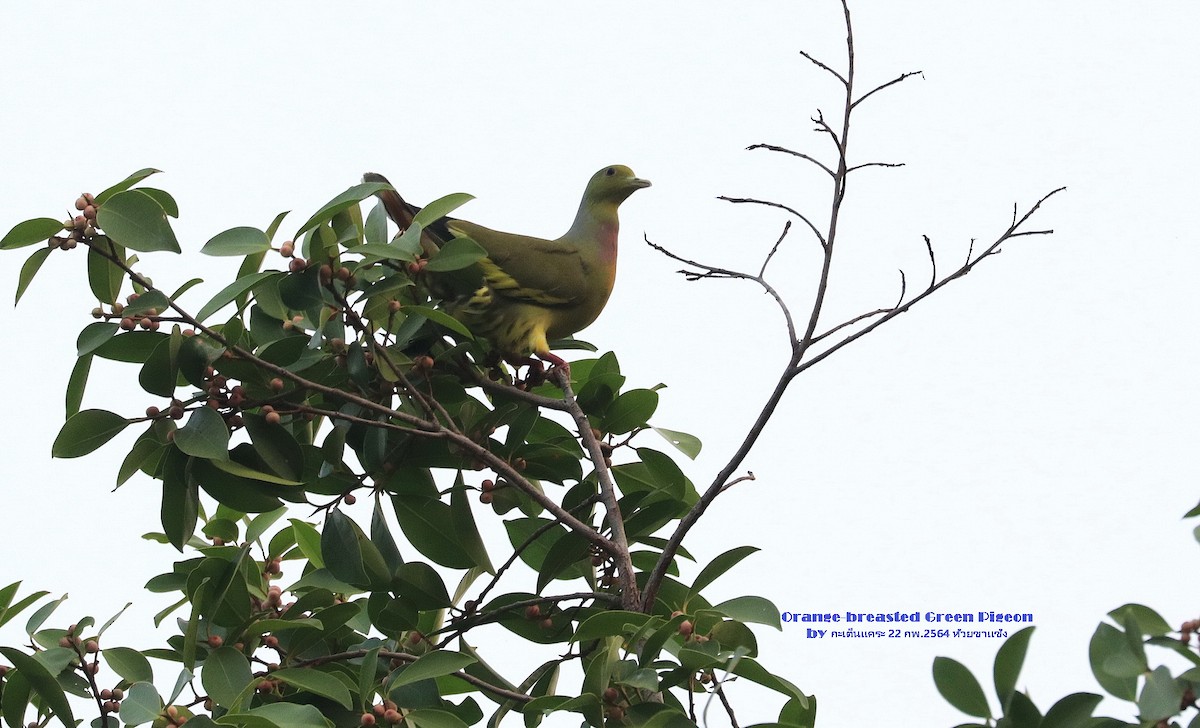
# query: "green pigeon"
[[530, 291]]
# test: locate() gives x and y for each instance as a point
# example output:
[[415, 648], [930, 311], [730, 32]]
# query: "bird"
[[529, 291]]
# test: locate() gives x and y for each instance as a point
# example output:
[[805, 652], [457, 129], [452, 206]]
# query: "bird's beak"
[[639, 183]]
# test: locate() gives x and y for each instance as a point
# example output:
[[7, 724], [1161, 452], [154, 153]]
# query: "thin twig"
[[801, 155], [824, 67], [932, 261], [881, 87], [787, 225], [875, 164], [768, 203]]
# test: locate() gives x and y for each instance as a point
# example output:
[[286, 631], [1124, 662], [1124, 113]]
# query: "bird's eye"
[[609, 172]]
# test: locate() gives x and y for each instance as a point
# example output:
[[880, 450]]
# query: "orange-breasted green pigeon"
[[529, 291]]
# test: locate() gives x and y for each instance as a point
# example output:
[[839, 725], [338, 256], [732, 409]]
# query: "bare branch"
[[630, 598], [824, 67], [875, 164], [801, 155], [932, 261], [708, 271], [748, 476], [850, 322], [787, 225], [881, 87], [768, 203], [824, 128]]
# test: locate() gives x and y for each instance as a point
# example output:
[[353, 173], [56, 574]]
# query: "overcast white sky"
[[1024, 441]]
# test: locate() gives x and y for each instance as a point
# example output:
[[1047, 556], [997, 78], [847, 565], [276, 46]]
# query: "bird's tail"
[[398, 210]]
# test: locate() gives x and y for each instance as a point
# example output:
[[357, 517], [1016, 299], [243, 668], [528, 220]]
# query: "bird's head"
[[613, 184]]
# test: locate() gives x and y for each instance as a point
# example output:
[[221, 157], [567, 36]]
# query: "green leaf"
[[237, 241], [125, 184], [1149, 621], [104, 276], [1072, 711], [424, 521], [341, 548], [204, 436], [309, 541], [435, 664], [440, 318], [147, 300], [352, 196], [93, 336], [719, 566], [180, 501], [32, 265], [276, 446], [8, 610], [611, 623], [422, 586], [43, 684], [242, 471], [38, 230], [1009, 659], [225, 674], [160, 374], [751, 609], [230, 293], [130, 664], [136, 221], [1161, 696], [142, 704], [465, 530], [38, 618], [959, 687], [629, 411], [133, 347], [164, 200], [457, 254], [441, 207], [86, 431], [316, 682], [687, 444], [77, 383], [433, 718]]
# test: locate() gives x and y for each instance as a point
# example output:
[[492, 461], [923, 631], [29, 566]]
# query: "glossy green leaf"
[[630, 410], [1149, 621], [1007, 667], [1161, 697], [719, 566], [457, 254], [125, 184], [755, 672], [237, 241], [8, 610], [86, 431], [160, 374], [441, 207], [1072, 711], [276, 446], [440, 318], [30, 269], [164, 200], [424, 521], [93, 336], [959, 687], [104, 276], [229, 293], [133, 347], [180, 501], [142, 704], [435, 664], [751, 609], [687, 444], [130, 664], [246, 495], [152, 300], [136, 221], [352, 196], [204, 436], [308, 539], [29, 232], [422, 586], [14, 700], [610, 624], [316, 682], [465, 530], [77, 383], [341, 548], [233, 467], [42, 683]]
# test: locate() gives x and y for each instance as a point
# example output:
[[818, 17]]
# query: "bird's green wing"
[[548, 273]]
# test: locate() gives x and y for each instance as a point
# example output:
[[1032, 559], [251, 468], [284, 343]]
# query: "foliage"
[[1120, 663], [333, 377]]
